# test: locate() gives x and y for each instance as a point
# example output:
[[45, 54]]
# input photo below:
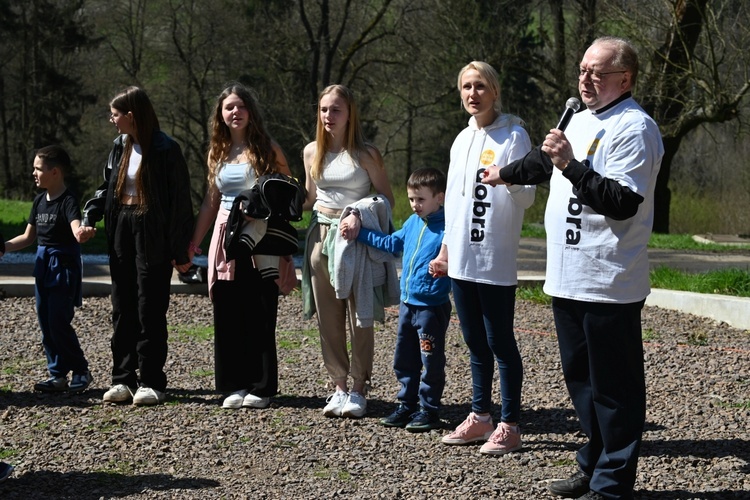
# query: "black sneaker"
[[80, 383], [5, 471], [575, 486], [423, 421], [398, 418], [52, 384]]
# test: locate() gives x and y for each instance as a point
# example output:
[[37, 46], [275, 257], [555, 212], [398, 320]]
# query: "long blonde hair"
[[354, 142], [259, 142]]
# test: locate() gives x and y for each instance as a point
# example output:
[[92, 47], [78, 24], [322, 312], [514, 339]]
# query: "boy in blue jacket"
[[425, 307]]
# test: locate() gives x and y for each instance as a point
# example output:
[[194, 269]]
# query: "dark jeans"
[[245, 332], [486, 316], [140, 299], [55, 310], [420, 342], [602, 360]]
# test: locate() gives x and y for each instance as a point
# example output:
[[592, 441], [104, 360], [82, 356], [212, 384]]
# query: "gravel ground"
[[697, 440]]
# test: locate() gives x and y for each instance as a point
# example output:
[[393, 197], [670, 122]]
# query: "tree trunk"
[[671, 63], [662, 193]]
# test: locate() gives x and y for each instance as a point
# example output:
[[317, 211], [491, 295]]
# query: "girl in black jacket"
[[148, 218]]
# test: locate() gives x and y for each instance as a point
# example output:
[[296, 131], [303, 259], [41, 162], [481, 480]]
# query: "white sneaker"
[[146, 396], [355, 407], [234, 400], [336, 402], [119, 393], [253, 401]]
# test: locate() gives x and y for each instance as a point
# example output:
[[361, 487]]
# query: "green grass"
[[733, 282], [14, 217], [198, 333], [649, 335], [7, 453], [533, 293], [297, 338], [118, 467], [686, 242], [742, 405]]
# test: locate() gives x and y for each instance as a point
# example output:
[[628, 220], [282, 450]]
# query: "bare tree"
[[126, 39], [41, 90], [700, 74]]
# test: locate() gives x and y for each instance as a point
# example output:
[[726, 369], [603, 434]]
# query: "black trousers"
[[140, 299], [601, 351], [245, 332]]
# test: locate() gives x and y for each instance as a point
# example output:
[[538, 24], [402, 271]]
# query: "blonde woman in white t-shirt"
[[341, 168]]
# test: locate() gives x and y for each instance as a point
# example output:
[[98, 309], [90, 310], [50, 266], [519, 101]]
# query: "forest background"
[[62, 61]]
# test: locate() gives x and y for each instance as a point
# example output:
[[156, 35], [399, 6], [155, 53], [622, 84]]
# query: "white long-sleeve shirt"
[[482, 223]]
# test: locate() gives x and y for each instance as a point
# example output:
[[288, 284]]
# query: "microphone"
[[571, 106]]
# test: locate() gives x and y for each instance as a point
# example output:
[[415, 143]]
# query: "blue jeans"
[[55, 310], [420, 342], [602, 359], [486, 316]]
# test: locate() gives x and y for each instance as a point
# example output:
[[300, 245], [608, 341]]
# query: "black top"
[[52, 218]]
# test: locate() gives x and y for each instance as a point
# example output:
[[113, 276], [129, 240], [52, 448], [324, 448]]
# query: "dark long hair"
[[134, 100]]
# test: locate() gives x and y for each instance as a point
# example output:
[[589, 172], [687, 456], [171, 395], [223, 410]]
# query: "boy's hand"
[[349, 227], [85, 233], [438, 268]]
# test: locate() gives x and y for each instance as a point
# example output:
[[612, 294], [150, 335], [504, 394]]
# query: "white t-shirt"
[[135, 163], [591, 257]]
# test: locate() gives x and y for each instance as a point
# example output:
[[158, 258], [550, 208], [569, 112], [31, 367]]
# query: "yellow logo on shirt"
[[488, 157], [593, 147]]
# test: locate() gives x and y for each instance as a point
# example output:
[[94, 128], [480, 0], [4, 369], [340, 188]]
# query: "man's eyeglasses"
[[597, 76]]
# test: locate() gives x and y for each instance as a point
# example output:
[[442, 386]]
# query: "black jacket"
[[169, 220], [276, 198]]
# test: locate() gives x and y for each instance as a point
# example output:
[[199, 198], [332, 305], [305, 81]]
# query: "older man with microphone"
[[602, 171]]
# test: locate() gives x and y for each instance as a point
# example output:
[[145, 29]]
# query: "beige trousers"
[[332, 320]]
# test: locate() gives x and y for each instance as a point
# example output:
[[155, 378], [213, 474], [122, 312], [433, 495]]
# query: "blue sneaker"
[[5, 471], [423, 421], [400, 417], [80, 383]]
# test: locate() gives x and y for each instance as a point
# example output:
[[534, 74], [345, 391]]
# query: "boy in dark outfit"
[[55, 217]]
